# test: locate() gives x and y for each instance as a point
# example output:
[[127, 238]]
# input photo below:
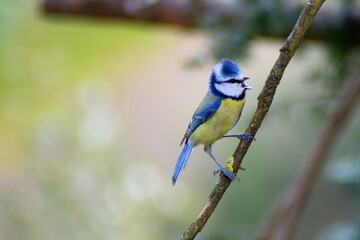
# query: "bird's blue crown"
[[229, 68]]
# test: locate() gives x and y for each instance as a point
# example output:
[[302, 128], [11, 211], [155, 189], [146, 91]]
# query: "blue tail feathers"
[[183, 159]]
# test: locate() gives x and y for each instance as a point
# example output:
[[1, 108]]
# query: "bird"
[[219, 111]]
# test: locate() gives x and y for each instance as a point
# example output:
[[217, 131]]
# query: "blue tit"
[[218, 112]]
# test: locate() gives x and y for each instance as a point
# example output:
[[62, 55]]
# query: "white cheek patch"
[[229, 89]]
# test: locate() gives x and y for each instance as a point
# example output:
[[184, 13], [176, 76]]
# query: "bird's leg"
[[240, 136], [227, 172]]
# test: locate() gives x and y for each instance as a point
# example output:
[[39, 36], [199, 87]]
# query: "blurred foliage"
[[233, 34]]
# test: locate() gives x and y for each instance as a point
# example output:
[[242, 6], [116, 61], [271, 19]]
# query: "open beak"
[[244, 85]]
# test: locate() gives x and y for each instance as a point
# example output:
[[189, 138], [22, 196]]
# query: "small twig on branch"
[[282, 224], [265, 99]]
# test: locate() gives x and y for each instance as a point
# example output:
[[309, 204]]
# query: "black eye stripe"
[[230, 81]]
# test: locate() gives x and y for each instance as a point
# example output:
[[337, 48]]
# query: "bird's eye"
[[233, 81]]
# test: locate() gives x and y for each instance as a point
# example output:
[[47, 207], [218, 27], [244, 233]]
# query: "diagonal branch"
[[265, 99]]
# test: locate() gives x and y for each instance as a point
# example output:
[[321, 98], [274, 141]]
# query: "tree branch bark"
[[265, 99], [282, 224]]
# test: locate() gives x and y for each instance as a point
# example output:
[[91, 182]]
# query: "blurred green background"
[[91, 117]]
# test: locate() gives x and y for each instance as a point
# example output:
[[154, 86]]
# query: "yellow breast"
[[220, 123]]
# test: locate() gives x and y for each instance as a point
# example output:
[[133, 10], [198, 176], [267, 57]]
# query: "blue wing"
[[201, 115]]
